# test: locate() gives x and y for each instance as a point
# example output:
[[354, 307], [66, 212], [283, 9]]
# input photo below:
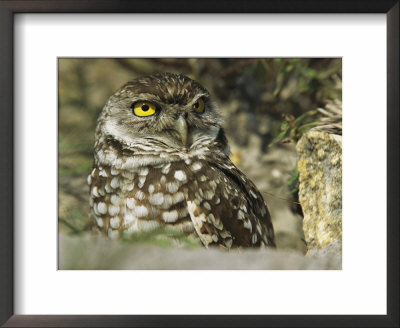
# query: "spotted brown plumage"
[[161, 159]]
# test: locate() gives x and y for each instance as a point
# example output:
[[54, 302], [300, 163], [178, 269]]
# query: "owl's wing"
[[208, 227], [226, 208]]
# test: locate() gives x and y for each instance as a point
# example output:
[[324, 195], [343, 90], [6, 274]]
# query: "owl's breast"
[[194, 195], [147, 198]]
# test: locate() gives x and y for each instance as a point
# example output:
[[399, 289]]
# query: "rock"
[[320, 187], [331, 253], [95, 252]]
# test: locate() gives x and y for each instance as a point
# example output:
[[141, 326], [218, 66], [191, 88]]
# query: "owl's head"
[[164, 110]]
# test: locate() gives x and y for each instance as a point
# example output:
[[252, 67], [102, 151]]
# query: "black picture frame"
[[7, 11]]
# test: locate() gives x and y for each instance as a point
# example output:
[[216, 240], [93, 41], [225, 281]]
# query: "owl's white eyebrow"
[[144, 97], [199, 95]]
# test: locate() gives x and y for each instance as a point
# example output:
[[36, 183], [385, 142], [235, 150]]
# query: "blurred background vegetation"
[[255, 95]]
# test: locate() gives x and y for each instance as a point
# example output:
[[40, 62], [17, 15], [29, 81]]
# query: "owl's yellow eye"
[[198, 106], [144, 108]]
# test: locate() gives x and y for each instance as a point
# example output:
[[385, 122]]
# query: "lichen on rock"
[[320, 187]]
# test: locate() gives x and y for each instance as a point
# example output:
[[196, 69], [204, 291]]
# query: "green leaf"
[[307, 126], [305, 115], [278, 138], [74, 230], [79, 216], [285, 126]]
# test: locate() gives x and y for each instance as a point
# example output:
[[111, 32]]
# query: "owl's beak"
[[182, 128]]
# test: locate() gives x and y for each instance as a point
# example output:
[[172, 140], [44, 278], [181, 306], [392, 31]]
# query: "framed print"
[[130, 135]]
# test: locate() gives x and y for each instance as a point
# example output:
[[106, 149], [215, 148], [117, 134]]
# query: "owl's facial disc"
[[165, 110]]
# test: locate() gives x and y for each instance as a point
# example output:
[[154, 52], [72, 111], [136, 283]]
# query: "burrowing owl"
[[161, 159]]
